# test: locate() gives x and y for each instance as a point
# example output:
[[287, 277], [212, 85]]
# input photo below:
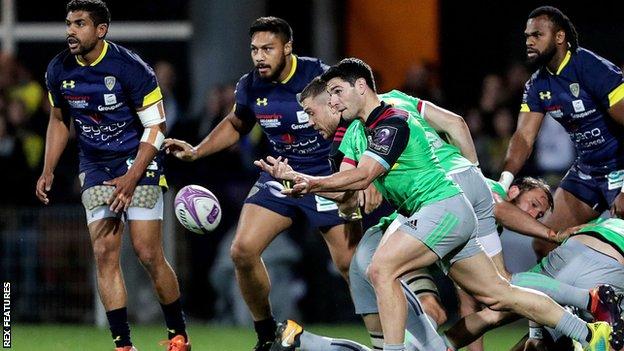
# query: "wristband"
[[506, 179], [536, 333]]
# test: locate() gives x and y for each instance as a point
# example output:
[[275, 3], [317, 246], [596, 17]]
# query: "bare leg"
[[341, 247], [257, 227], [106, 241]]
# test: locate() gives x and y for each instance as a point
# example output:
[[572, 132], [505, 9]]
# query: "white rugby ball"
[[197, 209]]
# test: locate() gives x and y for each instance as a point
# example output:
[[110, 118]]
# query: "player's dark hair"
[[97, 9], [315, 88], [560, 21], [530, 183], [274, 25], [350, 70]]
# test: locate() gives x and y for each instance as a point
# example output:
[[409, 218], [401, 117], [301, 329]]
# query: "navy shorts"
[[320, 212], [598, 191], [95, 174]]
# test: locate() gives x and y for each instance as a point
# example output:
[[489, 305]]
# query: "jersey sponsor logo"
[[101, 132], [383, 139], [578, 106], [77, 101], [554, 111], [262, 102], [153, 166], [269, 121], [68, 84], [615, 179], [110, 99], [302, 117], [544, 95], [583, 114], [575, 89], [109, 108], [299, 126], [109, 81], [588, 138]]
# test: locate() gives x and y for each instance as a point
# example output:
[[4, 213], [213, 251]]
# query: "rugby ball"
[[197, 209]]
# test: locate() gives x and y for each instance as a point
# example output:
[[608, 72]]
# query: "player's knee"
[[431, 306], [343, 264], [148, 256], [379, 273], [105, 255], [496, 295], [242, 254]]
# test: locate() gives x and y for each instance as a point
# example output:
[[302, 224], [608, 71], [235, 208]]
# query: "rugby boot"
[[177, 343], [287, 336], [605, 304]]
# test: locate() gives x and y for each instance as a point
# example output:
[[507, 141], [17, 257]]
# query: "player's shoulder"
[[536, 78], [583, 55], [126, 56], [244, 82], [311, 65], [60, 60]]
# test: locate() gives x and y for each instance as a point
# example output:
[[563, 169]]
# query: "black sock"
[[174, 318], [266, 329], [120, 330]]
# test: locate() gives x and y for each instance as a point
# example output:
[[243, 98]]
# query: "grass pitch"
[[47, 337]]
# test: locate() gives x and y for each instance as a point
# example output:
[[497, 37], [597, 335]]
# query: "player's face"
[[540, 41], [268, 52], [82, 33], [322, 118], [343, 98], [534, 202]]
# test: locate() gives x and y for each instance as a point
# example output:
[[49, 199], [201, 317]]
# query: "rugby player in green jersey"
[[394, 153]]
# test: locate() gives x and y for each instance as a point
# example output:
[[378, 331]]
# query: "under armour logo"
[[262, 102], [69, 84], [544, 95], [150, 174]]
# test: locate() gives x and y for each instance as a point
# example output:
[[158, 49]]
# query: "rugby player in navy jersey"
[[268, 95], [585, 93], [115, 103]]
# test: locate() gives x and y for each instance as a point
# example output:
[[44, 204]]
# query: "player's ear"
[[513, 192], [288, 48], [102, 29], [360, 85], [560, 37]]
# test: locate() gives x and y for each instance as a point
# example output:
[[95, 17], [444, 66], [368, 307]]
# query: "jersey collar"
[[377, 113], [293, 68], [97, 60], [562, 65]]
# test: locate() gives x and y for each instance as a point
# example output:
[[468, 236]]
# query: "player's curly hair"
[[97, 9], [350, 70], [530, 183], [274, 25], [316, 87], [561, 22]]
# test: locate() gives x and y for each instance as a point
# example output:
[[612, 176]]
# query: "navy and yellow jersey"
[[275, 107], [578, 96], [102, 99]]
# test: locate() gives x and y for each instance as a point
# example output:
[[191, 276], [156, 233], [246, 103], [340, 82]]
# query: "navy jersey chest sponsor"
[[96, 93]]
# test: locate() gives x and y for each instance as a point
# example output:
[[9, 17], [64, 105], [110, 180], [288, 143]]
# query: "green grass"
[[204, 337]]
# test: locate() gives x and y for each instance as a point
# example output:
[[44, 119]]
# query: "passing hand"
[[278, 168], [370, 198]]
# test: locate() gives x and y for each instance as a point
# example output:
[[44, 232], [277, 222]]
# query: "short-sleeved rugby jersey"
[[578, 96], [449, 155], [609, 230], [275, 107], [102, 99], [396, 140]]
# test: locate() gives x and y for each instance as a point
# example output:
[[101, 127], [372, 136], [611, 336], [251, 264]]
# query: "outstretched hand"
[[180, 149], [278, 168]]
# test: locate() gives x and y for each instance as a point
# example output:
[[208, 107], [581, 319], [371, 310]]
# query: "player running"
[[116, 106], [267, 95], [392, 150], [584, 92]]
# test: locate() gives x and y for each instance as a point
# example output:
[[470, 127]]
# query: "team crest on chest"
[[110, 81], [575, 89]]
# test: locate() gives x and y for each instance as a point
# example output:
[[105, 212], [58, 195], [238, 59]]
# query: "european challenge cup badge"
[[575, 89], [109, 81]]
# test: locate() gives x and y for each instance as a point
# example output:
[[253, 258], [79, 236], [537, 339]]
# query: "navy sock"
[[120, 330], [174, 318], [266, 329]]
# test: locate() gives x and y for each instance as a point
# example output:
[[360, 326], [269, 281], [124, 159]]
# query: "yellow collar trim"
[[293, 68], [97, 60], [563, 63]]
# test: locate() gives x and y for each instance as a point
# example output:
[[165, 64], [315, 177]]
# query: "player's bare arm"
[[521, 143], [148, 148], [454, 126], [512, 217], [225, 134], [56, 140]]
